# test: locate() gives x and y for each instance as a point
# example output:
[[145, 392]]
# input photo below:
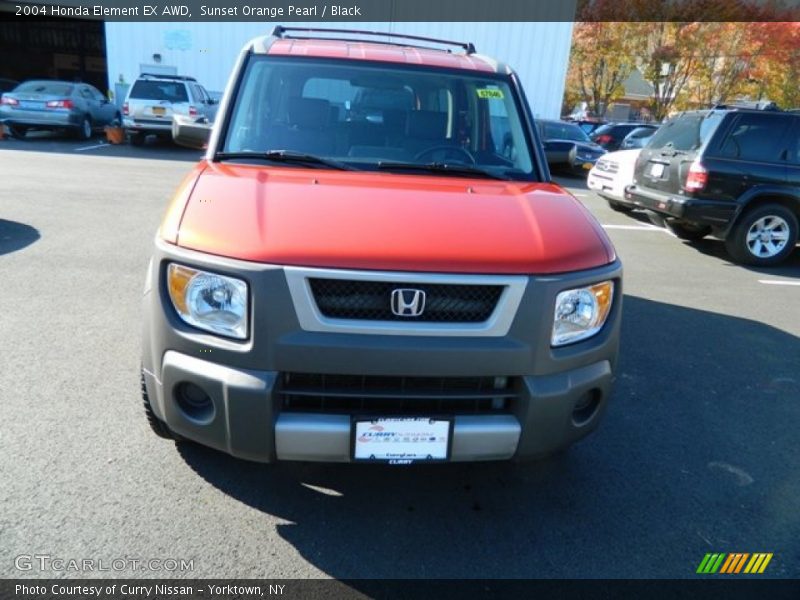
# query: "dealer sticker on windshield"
[[490, 94], [401, 440]]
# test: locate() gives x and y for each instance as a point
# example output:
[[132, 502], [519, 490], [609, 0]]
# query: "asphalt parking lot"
[[698, 453]]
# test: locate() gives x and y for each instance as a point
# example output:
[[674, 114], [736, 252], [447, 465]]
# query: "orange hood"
[[385, 221]]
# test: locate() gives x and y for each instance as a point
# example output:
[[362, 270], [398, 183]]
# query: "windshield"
[[172, 91], [378, 117], [686, 132], [54, 88], [563, 131]]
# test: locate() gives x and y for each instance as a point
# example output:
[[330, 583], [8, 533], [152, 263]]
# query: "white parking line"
[[778, 282], [91, 147]]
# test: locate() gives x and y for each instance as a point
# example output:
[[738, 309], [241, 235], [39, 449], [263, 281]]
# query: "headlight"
[[581, 313], [209, 301]]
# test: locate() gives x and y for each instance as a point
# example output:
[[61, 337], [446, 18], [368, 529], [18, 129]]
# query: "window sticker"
[[490, 94]]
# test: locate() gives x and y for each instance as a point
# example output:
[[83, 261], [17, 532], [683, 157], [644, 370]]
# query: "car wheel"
[[18, 131], [157, 425], [137, 138], [85, 129], [688, 231], [619, 206], [764, 236]]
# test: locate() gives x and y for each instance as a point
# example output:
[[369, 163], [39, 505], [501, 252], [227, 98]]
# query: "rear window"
[[563, 131], [171, 91], [686, 132], [757, 137], [52, 88]]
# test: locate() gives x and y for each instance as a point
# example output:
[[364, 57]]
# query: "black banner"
[[729, 588], [324, 11]]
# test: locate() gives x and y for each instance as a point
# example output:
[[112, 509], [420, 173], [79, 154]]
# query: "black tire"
[[737, 243], [157, 425], [18, 131], [619, 206], [137, 138], [84, 131], [688, 231]]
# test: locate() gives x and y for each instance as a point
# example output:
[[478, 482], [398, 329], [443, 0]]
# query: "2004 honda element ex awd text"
[[372, 264]]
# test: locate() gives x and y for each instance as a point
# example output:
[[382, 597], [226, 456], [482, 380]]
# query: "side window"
[[86, 93], [96, 93], [757, 137], [794, 143]]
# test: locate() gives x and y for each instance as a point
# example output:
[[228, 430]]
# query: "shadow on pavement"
[[16, 236], [698, 453], [716, 248]]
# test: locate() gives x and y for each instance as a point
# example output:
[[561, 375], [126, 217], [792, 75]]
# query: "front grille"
[[607, 166], [371, 300], [359, 394]]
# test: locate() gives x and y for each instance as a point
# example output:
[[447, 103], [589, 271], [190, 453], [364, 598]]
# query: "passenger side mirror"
[[191, 132]]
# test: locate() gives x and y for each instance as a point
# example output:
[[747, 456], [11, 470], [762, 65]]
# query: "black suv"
[[731, 172]]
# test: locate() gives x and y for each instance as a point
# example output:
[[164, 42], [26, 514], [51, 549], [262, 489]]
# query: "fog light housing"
[[194, 402]]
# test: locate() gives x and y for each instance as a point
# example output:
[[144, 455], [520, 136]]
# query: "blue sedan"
[[78, 108]]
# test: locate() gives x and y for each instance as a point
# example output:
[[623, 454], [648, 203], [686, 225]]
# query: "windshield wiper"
[[286, 156], [441, 167]]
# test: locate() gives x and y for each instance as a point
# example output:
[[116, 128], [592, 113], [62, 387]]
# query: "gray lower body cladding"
[[551, 397]]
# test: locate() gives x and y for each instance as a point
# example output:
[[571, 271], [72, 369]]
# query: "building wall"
[[539, 52]]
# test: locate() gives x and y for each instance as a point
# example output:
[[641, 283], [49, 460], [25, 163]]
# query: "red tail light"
[[192, 111], [603, 139], [9, 101], [697, 178], [125, 110], [66, 103]]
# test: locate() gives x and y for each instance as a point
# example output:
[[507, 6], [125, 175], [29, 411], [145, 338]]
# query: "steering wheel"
[[452, 150]]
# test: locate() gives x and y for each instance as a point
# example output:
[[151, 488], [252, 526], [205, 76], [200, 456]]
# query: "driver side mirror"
[[190, 132]]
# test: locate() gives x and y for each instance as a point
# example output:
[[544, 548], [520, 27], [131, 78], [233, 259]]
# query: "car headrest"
[[426, 125], [309, 113]]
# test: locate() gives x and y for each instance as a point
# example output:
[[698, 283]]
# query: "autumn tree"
[[602, 58]]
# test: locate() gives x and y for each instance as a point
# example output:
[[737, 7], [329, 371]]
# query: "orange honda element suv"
[[371, 264]]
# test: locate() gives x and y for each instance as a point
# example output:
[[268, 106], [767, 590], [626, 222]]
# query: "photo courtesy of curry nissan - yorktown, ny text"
[[399, 299]]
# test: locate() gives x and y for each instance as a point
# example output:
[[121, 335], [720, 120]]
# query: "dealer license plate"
[[656, 170], [402, 440]]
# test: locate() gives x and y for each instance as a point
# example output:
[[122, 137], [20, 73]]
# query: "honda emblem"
[[408, 302]]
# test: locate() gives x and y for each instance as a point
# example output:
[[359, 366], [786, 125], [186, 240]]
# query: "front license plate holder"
[[401, 440]]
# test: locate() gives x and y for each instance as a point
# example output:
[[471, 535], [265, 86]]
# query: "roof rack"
[[176, 77], [760, 105], [280, 30]]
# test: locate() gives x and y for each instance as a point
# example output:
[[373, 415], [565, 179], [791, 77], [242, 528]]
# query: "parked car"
[[732, 172], [638, 137], [56, 105], [567, 147], [336, 287], [153, 100], [588, 124], [610, 135], [609, 177]]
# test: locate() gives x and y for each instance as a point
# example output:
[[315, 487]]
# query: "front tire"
[[157, 425], [763, 236], [687, 231]]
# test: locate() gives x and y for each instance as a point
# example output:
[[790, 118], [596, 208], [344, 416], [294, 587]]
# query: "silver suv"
[[153, 100]]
